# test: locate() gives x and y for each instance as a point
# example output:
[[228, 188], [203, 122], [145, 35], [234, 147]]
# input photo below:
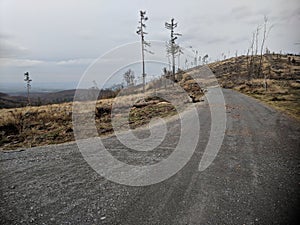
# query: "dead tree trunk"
[[251, 66], [265, 35]]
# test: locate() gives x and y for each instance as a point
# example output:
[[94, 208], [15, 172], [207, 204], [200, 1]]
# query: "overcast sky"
[[57, 40]]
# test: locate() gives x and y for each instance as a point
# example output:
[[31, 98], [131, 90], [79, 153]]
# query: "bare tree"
[[247, 63], [171, 26], [174, 49], [144, 44], [95, 85], [186, 63], [28, 85], [237, 66], [257, 39], [199, 59], [179, 52], [129, 77], [266, 32], [251, 62], [204, 59], [165, 76]]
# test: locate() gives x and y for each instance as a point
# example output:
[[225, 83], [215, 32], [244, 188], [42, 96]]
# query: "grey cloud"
[[286, 15], [9, 49], [250, 16], [86, 34], [238, 40], [64, 34], [74, 62], [9, 62], [5, 36], [215, 40], [205, 39], [241, 12]]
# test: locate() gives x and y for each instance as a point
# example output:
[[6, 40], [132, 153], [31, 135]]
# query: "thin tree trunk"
[[262, 46]]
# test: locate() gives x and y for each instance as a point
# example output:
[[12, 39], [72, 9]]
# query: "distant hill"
[[11, 101], [36, 98], [54, 97], [7, 101]]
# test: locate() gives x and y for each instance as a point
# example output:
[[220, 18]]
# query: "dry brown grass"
[[32, 126], [283, 77], [283, 95], [52, 124]]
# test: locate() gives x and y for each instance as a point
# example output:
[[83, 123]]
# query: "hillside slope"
[[278, 83], [32, 126]]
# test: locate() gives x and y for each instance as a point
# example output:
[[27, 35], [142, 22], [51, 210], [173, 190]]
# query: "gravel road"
[[253, 180]]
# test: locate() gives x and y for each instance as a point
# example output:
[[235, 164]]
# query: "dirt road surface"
[[253, 180]]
